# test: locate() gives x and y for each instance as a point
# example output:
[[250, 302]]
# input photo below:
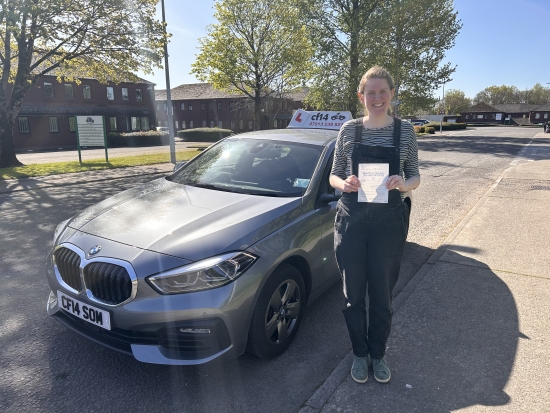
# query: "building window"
[[189, 106], [145, 123], [158, 107], [183, 124], [275, 124], [112, 122], [232, 125], [203, 106], [182, 106], [537, 115], [480, 116], [48, 89], [467, 116], [546, 116], [211, 123], [211, 105], [176, 123], [190, 124], [136, 123], [110, 93], [219, 105], [164, 106], [54, 126], [86, 91], [124, 93], [23, 124], [69, 91], [220, 124], [241, 124], [72, 124], [139, 96], [485, 116], [204, 124], [250, 125]]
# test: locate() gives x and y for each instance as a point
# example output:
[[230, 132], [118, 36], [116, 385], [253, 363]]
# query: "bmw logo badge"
[[95, 249]]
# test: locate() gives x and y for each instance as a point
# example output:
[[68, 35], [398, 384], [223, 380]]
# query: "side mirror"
[[178, 165], [326, 198]]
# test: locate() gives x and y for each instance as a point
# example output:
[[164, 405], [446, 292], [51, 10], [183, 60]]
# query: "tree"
[[456, 102], [495, 95], [72, 39], [408, 37], [537, 95], [257, 47]]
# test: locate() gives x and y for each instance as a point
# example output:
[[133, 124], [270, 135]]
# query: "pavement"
[[471, 330]]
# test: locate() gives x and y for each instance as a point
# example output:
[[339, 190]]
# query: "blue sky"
[[502, 42]]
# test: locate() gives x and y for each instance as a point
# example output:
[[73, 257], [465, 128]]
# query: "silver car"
[[219, 258]]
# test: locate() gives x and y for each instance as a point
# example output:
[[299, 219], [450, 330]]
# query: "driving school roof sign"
[[318, 120]]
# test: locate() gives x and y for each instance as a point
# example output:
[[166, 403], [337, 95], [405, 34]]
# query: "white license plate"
[[84, 311]]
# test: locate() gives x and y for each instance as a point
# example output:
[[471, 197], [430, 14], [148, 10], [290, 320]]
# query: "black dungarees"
[[368, 241]]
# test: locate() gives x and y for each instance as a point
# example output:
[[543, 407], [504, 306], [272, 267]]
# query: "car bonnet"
[[184, 221]]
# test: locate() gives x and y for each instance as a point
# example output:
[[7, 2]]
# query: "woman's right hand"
[[351, 184]]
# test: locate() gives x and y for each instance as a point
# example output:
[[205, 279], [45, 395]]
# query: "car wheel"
[[278, 313]]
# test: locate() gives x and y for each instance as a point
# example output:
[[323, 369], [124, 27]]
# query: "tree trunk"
[[355, 76], [7, 148]]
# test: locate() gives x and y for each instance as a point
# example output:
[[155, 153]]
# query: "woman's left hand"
[[396, 182]]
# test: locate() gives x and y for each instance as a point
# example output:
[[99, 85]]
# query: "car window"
[[259, 167]]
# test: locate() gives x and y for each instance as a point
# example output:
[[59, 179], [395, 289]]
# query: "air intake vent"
[[68, 265], [109, 283]]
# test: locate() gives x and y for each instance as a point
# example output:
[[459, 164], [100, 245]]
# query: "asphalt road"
[[47, 368]]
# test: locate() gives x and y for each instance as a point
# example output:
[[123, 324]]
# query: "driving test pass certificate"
[[373, 177]]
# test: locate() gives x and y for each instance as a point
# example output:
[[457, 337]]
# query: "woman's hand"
[[350, 184], [396, 182]]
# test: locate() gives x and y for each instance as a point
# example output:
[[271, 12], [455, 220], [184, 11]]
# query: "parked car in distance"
[[163, 129], [419, 122]]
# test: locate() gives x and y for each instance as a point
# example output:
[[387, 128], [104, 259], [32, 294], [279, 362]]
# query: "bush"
[[142, 138], [446, 125], [418, 129], [429, 129], [204, 134]]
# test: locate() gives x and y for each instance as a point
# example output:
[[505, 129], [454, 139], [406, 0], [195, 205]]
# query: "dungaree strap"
[[396, 132], [358, 131]]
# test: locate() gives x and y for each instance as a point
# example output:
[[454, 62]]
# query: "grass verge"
[[57, 168]]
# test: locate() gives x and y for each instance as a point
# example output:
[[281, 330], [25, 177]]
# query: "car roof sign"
[[303, 119]]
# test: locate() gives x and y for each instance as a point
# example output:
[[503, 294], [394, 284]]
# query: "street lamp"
[[168, 93]]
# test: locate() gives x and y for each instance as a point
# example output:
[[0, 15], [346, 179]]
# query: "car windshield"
[[250, 166]]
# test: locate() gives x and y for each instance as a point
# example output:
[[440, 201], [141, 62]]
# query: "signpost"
[[90, 131]]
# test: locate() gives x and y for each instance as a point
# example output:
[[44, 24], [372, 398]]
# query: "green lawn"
[[57, 168]]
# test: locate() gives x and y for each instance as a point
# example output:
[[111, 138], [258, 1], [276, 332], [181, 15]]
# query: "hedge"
[[446, 125], [143, 138], [204, 134]]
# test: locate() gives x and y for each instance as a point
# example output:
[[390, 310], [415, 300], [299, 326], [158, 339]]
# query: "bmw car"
[[218, 258]]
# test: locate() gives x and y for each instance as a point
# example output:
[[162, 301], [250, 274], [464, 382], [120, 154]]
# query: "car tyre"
[[278, 313]]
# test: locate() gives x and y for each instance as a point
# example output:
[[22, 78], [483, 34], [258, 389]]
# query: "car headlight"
[[202, 275], [59, 229]]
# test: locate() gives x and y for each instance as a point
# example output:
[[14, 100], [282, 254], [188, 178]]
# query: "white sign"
[[499, 116], [90, 130], [373, 178], [318, 120]]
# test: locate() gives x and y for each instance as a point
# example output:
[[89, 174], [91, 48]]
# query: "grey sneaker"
[[360, 370], [382, 372]]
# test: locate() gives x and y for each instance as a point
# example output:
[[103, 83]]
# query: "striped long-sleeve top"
[[408, 151]]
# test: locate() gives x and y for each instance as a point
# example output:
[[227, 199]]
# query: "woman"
[[370, 236]]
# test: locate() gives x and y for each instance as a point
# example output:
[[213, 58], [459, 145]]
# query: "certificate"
[[373, 178]]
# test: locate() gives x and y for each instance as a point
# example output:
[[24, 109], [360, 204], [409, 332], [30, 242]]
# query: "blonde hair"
[[377, 72]]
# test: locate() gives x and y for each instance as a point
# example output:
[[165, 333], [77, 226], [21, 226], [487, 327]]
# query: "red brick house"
[[200, 105], [47, 116]]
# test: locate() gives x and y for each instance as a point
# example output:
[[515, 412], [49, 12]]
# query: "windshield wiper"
[[214, 187]]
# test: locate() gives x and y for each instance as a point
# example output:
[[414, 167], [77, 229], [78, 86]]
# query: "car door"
[[326, 213]]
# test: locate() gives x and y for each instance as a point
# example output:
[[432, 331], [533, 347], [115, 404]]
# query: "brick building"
[[508, 113], [200, 105], [47, 116]]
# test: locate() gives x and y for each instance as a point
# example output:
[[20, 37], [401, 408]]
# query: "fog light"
[[195, 330]]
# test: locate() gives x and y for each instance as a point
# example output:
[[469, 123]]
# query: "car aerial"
[[218, 258]]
